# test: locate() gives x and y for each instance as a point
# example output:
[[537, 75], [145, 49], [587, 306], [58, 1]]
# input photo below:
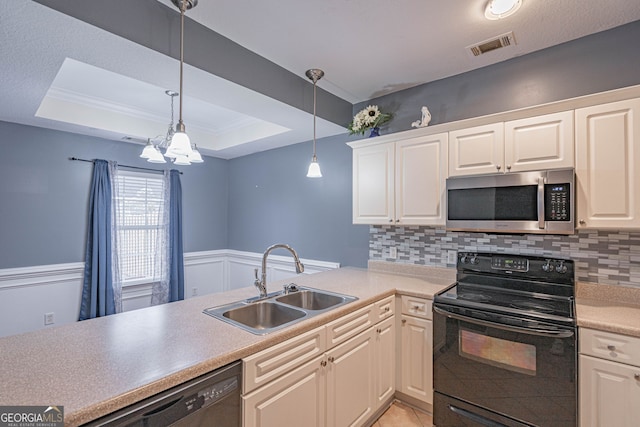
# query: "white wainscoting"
[[28, 293]]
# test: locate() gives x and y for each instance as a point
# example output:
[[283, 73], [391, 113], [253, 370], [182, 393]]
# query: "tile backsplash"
[[605, 257]]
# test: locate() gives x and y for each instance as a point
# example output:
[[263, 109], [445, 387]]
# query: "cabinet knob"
[[397, 220], [636, 376], [404, 321], [498, 167], [416, 308], [611, 347], [387, 309], [323, 363], [331, 359], [582, 222], [390, 220], [508, 167]]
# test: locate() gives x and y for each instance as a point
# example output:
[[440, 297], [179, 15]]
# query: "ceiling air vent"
[[504, 40]]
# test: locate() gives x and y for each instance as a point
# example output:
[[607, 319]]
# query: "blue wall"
[[596, 63], [44, 195], [272, 201]]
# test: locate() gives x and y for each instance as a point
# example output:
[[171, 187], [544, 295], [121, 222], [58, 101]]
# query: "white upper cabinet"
[[608, 165], [373, 184], [400, 182], [541, 142], [476, 150]]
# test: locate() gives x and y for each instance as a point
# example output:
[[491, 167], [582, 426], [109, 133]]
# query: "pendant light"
[[314, 75], [180, 144]]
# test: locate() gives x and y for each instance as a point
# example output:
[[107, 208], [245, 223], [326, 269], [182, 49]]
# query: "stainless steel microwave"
[[540, 202]]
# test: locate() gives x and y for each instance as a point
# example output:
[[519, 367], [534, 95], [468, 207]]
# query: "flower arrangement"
[[368, 118]]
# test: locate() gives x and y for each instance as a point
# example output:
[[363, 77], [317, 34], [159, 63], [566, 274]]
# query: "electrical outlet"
[[452, 257], [49, 319], [393, 252], [194, 292]]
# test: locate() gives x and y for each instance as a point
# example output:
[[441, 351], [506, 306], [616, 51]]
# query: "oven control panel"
[[499, 262], [525, 266]]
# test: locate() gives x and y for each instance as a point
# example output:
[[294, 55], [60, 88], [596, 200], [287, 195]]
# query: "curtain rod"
[[124, 166]]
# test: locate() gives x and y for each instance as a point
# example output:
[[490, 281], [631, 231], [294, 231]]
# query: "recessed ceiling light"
[[498, 9]]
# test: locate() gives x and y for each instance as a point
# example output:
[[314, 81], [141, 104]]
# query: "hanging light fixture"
[[180, 144], [314, 75]]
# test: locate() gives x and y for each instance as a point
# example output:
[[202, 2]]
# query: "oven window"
[[514, 356], [517, 203]]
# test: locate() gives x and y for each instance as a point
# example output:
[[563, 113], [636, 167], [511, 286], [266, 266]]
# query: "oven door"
[[488, 373]]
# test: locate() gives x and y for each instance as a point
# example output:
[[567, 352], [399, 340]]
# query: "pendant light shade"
[[148, 150], [195, 156], [156, 156], [314, 169], [180, 145], [314, 75]]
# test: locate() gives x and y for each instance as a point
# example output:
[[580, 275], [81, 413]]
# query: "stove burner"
[[475, 297], [532, 305]]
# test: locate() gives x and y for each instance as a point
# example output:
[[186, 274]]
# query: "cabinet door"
[[298, 397], [421, 171], [350, 381], [608, 165], [476, 150], [417, 358], [542, 142], [385, 361], [373, 187], [609, 393]]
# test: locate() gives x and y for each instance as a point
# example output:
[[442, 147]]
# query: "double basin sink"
[[278, 310]]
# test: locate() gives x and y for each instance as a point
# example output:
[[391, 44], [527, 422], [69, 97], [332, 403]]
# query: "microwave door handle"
[[541, 222]]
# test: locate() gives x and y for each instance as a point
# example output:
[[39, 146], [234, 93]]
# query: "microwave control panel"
[[557, 203]]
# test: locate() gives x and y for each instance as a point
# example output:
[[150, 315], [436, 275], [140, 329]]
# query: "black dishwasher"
[[212, 400]]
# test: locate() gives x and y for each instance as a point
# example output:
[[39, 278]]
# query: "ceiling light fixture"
[[314, 75], [180, 144], [498, 9]]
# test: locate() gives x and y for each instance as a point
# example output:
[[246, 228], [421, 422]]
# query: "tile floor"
[[401, 415]]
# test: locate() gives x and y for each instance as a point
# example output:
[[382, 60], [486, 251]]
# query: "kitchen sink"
[[278, 310], [263, 315], [312, 300]]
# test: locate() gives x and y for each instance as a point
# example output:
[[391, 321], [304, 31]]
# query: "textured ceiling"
[[372, 47], [61, 73]]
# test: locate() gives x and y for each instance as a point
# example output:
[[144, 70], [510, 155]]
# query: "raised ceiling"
[[62, 73]]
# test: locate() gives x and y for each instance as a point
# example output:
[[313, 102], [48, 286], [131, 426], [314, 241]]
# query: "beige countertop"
[[97, 366], [608, 308]]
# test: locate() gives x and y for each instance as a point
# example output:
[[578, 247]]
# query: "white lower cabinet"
[[296, 398], [385, 361], [336, 375], [350, 381], [609, 380], [416, 349]]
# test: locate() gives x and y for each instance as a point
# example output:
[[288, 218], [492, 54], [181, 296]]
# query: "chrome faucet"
[[261, 283]]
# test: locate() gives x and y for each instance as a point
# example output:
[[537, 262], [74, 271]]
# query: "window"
[[140, 226]]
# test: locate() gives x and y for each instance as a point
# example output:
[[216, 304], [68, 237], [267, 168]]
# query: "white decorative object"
[[426, 118]]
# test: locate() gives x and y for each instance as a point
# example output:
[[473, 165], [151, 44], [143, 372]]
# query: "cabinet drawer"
[[262, 367], [384, 308], [350, 325], [610, 346], [415, 306]]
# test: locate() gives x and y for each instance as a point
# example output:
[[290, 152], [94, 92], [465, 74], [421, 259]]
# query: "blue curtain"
[[97, 289], [176, 269]]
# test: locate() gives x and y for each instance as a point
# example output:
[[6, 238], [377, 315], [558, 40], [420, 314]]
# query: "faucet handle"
[[255, 273], [291, 287]]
